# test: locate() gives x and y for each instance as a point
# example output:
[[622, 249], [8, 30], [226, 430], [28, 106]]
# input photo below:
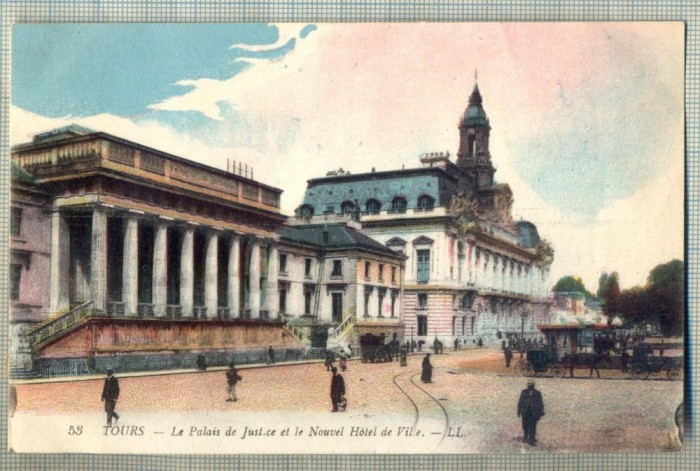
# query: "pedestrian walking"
[[427, 372], [624, 360], [343, 363], [509, 356], [594, 366], [270, 356], [480, 343], [337, 389], [531, 409], [110, 394], [329, 360], [232, 378]]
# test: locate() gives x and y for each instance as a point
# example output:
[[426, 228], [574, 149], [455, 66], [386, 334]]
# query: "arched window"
[[373, 206], [305, 211], [426, 203], [347, 207], [398, 204]]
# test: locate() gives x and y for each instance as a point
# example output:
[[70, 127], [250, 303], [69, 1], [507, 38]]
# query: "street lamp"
[[523, 315]]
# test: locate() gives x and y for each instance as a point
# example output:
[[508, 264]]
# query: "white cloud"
[[362, 96]]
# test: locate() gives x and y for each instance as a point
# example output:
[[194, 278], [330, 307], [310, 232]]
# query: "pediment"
[[395, 241], [423, 240]]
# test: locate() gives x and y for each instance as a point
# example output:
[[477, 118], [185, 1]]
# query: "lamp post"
[[523, 316]]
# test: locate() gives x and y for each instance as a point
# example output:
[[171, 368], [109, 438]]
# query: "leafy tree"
[[602, 283], [666, 289], [571, 284], [610, 294]]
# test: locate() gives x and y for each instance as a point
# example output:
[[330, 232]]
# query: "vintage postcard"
[[347, 238]]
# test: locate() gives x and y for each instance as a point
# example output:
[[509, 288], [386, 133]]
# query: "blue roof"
[[340, 236], [381, 186]]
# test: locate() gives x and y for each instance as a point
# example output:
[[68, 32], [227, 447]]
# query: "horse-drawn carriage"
[[540, 360], [373, 349], [643, 363]]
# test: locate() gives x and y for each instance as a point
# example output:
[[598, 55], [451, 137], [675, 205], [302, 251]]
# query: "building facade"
[[120, 249], [471, 271], [337, 284]]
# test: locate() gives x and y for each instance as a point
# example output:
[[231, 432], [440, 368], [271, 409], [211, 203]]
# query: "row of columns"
[[60, 268]]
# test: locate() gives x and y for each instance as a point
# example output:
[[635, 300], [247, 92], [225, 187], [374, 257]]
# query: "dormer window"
[[305, 211], [398, 205], [426, 203], [373, 206], [347, 207]]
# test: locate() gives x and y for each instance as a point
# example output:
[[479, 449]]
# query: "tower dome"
[[475, 115]]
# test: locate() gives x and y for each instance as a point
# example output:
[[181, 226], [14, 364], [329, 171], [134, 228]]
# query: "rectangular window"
[[15, 280], [283, 301], [464, 326], [367, 267], [16, 221], [423, 257], [422, 326], [381, 272], [367, 295], [337, 307], [337, 268], [393, 305], [393, 274], [380, 305], [307, 302], [422, 301], [307, 268], [283, 263], [454, 325]]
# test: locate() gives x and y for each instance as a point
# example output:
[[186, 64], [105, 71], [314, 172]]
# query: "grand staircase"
[[52, 328], [342, 335]]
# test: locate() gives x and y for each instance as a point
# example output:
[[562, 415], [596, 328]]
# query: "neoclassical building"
[[120, 249], [472, 272]]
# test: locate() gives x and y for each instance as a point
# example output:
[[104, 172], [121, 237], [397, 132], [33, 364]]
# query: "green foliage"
[[611, 294], [571, 284], [662, 300]]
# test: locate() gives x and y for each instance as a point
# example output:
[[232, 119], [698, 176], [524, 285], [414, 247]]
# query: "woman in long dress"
[[427, 374]]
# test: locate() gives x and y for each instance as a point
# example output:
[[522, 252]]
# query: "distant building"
[[471, 271], [336, 282]]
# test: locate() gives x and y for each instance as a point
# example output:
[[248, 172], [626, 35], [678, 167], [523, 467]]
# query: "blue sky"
[[587, 119]]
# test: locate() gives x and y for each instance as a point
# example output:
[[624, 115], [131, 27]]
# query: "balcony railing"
[[223, 313], [115, 308], [199, 312], [173, 310], [145, 310]]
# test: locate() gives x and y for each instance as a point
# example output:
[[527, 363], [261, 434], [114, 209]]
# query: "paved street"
[[467, 399]]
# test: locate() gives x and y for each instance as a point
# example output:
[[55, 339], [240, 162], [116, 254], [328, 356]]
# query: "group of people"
[[530, 405]]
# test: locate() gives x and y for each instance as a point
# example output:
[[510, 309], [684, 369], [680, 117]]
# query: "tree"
[[666, 290], [611, 294], [602, 283], [571, 284]]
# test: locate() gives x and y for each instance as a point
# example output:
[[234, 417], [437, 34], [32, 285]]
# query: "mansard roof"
[[438, 183], [340, 236]]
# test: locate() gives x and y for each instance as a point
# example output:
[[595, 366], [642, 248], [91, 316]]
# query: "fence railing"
[[56, 367]]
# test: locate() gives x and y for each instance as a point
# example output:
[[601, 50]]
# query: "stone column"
[[187, 272], [98, 260], [211, 275], [234, 283], [254, 274], [273, 294], [60, 263], [130, 274], [160, 270]]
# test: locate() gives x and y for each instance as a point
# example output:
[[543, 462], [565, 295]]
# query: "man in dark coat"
[[531, 409], [624, 360], [509, 356], [270, 356], [427, 374], [110, 394], [232, 378], [337, 388]]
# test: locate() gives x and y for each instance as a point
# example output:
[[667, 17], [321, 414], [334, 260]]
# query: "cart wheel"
[[639, 372], [557, 371], [674, 373], [525, 368]]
